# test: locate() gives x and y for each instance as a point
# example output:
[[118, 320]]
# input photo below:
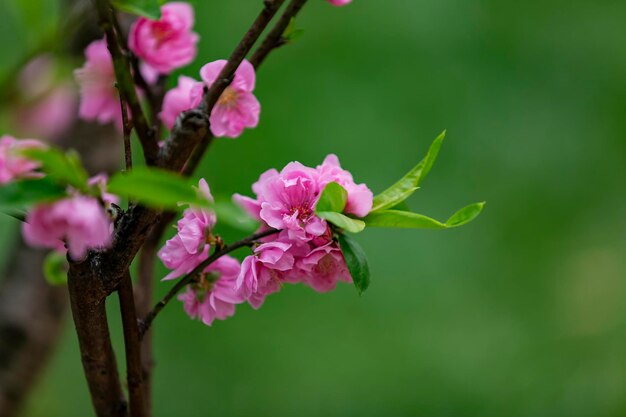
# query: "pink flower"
[[256, 281], [47, 106], [339, 2], [100, 181], [237, 108], [167, 43], [288, 201], [99, 97], [79, 221], [323, 267], [12, 164], [214, 295], [189, 247], [178, 100], [360, 198]]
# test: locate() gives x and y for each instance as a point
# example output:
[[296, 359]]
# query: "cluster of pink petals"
[[99, 99], [79, 221], [304, 250], [190, 246], [236, 109], [339, 2], [13, 165], [214, 295], [168, 43], [178, 100], [47, 105]]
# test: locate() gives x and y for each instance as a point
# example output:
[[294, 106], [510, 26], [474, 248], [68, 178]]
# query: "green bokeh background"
[[521, 313]]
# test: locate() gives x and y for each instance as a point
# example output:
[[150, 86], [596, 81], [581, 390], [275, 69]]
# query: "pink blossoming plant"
[[14, 165], [339, 2], [213, 295], [167, 43], [80, 222], [177, 100], [237, 108], [99, 99], [301, 221]]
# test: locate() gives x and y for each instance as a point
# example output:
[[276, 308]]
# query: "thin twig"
[[132, 347], [226, 75], [147, 321], [126, 128], [108, 22], [274, 39]]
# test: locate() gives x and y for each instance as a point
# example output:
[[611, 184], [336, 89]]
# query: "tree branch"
[[126, 128], [132, 347], [226, 75], [108, 22], [90, 321], [274, 39], [250, 240]]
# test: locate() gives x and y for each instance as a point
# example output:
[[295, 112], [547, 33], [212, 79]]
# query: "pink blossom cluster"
[[163, 45], [47, 103], [213, 295], [13, 165], [236, 109], [339, 2], [78, 222], [304, 250]]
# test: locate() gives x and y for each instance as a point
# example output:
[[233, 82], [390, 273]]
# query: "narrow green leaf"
[[146, 8], [465, 215], [20, 195], [234, 216], [356, 261], [155, 188], [55, 269], [402, 219], [333, 198], [291, 33], [402, 189], [340, 220], [64, 168], [407, 220]]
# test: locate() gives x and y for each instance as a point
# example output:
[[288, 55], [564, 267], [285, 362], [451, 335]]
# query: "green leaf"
[[55, 269], [64, 168], [407, 220], [356, 261], [340, 220], [234, 216], [20, 195], [291, 33], [465, 215], [333, 198], [402, 189], [155, 188], [402, 219], [146, 8]]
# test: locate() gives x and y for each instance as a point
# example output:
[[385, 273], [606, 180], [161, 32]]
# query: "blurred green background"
[[521, 313]]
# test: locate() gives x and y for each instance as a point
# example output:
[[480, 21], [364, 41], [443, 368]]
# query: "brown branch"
[[143, 296], [274, 39], [108, 22], [90, 321], [132, 347], [126, 127], [226, 75], [250, 240]]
